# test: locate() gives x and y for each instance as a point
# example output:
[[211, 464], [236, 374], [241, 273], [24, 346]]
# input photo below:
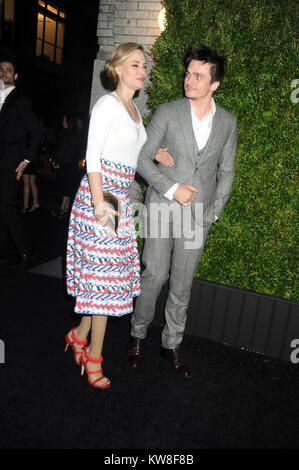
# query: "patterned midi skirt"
[[103, 268]]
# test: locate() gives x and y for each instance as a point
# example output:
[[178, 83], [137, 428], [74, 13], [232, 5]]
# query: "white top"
[[113, 134]]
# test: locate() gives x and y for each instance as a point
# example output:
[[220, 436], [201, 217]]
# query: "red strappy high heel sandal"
[[72, 343], [84, 359]]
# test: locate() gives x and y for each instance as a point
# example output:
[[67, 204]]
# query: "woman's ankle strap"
[[94, 360]]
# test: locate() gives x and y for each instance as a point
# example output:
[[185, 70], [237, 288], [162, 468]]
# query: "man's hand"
[[164, 157], [20, 169], [185, 194], [55, 165]]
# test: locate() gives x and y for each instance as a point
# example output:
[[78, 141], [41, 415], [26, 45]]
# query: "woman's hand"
[[104, 213], [21, 169], [164, 157]]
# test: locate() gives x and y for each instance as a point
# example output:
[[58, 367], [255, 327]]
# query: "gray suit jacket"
[[212, 173]]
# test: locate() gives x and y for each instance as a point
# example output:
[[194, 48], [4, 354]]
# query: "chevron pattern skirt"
[[103, 268]]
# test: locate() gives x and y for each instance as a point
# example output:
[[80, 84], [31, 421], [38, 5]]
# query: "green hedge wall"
[[253, 246]]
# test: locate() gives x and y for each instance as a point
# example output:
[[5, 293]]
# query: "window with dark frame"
[[50, 31], [7, 16]]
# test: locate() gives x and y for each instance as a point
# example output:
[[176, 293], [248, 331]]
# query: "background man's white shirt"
[[4, 94]]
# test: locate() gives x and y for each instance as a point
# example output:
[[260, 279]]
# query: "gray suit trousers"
[[164, 258]]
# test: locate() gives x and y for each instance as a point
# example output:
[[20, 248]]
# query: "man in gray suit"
[[183, 200]]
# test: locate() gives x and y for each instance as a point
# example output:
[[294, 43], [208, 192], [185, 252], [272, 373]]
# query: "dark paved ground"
[[234, 399]]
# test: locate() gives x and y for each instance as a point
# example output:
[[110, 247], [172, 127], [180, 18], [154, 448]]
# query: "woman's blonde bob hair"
[[118, 57]]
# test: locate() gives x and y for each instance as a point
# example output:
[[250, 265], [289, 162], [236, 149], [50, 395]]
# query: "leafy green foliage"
[[253, 246]]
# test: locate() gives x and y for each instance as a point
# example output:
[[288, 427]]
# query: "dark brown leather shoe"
[[172, 355], [134, 351]]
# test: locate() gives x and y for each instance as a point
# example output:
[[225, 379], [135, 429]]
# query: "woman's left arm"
[[101, 121]]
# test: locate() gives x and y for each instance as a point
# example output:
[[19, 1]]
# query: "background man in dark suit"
[[20, 139]]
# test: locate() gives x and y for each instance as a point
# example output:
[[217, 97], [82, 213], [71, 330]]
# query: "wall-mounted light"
[[162, 19]]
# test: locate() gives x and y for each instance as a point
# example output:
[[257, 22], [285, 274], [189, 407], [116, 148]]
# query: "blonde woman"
[[103, 270], [102, 264]]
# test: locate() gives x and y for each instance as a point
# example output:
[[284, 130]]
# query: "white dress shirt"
[[4, 94], [202, 131]]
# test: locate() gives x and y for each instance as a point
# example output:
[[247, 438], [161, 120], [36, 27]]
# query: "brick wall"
[[122, 21], [127, 20]]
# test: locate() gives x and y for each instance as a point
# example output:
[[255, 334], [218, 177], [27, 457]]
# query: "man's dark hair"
[[12, 62], [206, 54]]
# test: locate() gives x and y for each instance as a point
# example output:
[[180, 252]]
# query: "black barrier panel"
[[259, 323]]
